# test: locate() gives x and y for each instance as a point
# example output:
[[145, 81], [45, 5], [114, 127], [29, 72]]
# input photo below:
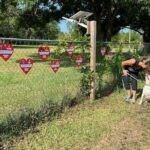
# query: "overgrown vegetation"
[[108, 69]]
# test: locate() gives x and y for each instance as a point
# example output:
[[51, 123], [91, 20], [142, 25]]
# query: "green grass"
[[19, 91], [78, 128]]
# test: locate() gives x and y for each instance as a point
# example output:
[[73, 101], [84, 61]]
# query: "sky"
[[63, 26]]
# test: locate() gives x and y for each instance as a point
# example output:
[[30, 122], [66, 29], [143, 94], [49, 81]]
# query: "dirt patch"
[[129, 134]]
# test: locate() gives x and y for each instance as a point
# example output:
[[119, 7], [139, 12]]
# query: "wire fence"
[[35, 71], [29, 75]]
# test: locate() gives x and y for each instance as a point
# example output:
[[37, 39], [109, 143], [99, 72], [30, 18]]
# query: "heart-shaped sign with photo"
[[110, 55], [26, 64], [70, 49], [6, 50], [44, 52], [55, 64], [78, 60], [103, 51], [0, 47]]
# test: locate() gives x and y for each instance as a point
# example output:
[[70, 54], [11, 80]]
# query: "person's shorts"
[[130, 82]]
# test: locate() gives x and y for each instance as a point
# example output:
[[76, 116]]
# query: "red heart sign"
[[110, 55], [6, 51], [70, 50], [0, 48], [78, 60], [44, 52], [55, 64], [26, 65]]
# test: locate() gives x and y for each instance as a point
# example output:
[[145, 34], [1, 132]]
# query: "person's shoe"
[[127, 99], [132, 100]]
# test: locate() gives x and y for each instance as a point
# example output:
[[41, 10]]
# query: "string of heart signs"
[[6, 51]]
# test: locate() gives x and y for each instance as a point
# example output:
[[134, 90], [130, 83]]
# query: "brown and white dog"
[[146, 89]]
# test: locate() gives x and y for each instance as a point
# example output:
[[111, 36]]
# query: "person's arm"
[[129, 62]]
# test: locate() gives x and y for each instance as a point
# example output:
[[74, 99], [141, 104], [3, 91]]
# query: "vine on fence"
[[108, 63]]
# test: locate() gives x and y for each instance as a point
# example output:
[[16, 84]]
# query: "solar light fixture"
[[81, 18]]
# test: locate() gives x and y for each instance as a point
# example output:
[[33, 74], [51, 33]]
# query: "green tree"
[[111, 15], [123, 37], [11, 26], [72, 34], [49, 31]]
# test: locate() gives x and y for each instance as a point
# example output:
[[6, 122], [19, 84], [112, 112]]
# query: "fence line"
[[16, 41], [42, 84], [57, 41]]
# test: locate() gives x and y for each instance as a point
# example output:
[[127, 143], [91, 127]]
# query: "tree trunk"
[[108, 34], [146, 40], [104, 34], [146, 37], [100, 32], [108, 28]]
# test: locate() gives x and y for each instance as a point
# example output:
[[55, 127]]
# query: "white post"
[[93, 57]]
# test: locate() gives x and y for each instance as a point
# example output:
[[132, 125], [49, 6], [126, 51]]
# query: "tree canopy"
[[111, 15], [15, 23]]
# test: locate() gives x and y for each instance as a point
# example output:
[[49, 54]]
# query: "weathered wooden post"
[[92, 57]]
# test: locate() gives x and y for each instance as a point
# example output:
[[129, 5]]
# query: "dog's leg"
[[142, 97]]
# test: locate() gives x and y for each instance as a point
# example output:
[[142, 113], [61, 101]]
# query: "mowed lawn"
[[19, 91]]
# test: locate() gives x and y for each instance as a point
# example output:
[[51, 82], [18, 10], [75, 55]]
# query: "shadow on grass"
[[107, 89], [16, 124]]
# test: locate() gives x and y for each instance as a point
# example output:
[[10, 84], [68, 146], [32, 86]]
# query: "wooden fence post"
[[93, 57]]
